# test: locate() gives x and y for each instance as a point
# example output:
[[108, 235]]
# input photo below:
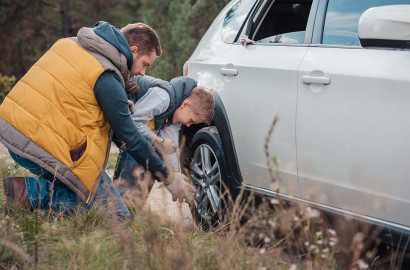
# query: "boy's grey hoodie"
[[157, 101]]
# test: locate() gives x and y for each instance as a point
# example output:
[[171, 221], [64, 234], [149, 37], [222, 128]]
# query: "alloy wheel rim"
[[206, 177]]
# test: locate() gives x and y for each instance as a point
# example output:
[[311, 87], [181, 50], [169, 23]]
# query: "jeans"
[[61, 198], [125, 171], [125, 166]]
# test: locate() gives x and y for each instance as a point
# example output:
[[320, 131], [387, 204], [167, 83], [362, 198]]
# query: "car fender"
[[221, 122]]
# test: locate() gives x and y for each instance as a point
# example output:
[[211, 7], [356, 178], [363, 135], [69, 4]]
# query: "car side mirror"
[[385, 27]]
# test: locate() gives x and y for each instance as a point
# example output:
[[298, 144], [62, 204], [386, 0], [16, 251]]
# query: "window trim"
[[317, 37], [319, 22], [249, 23], [245, 22], [259, 17], [310, 27]]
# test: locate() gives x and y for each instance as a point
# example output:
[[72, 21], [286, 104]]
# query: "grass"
[[94, 240], [276, 235]]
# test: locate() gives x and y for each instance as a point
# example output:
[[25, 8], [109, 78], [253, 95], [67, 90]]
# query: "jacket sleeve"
[[111, 97], [153, 103], [172, 132]]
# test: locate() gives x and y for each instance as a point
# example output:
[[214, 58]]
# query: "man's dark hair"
[[144, 37]]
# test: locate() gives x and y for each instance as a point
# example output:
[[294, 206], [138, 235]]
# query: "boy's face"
[[141, 62], [185, 115]]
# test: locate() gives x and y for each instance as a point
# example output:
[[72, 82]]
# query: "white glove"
[[167, 146], [180, 189], [131, 106]]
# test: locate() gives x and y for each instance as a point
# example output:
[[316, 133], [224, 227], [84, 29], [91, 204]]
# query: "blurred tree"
[[180, 25], [6, 83], [29, 27], [19, 38]]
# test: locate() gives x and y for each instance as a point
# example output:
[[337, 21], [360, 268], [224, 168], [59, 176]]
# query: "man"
[[57, 120]]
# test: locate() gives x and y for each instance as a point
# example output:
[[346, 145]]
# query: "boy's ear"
[[186, 103]]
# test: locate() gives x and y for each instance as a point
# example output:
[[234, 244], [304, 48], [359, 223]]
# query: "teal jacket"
[[112, 98]]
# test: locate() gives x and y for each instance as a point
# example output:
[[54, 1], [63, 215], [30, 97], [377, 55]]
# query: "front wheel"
[[207, 169]]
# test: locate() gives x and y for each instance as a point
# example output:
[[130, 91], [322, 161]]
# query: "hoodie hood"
[[183, 87], [114, 55], [112, 35]]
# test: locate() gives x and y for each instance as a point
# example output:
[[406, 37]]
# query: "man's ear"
[[134, 49]]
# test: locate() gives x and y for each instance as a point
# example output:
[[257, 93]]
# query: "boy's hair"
[[203, 104], [142, 36]]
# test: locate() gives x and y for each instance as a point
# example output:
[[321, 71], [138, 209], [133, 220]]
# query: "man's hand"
[[180, 189], [165, 146], [131, 106]]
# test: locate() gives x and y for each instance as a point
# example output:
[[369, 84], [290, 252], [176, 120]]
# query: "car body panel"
[[251, 106], [352, 133], [341, 141]]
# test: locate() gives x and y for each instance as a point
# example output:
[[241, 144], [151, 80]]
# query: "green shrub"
[[6, 84]]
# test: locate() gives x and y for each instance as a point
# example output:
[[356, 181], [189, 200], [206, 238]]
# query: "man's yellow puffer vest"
[[54, 106]]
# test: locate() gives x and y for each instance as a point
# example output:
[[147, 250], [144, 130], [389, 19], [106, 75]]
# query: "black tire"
[[207, 172]]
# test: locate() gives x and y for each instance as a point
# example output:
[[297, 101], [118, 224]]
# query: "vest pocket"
[[88, 167], [79, 154]]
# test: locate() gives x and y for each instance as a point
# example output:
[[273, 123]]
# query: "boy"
[[160, 109]]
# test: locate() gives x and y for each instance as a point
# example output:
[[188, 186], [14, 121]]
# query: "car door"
[[259, 81], [353, 119]]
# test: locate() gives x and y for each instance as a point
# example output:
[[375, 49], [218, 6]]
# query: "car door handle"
[[307, 79], [228, 71]]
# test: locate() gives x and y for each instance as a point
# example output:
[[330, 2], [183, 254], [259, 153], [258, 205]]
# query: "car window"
[[342, 18], [234, 19], [283, 22]]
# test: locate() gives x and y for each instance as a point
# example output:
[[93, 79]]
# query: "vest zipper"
[[97, 182]]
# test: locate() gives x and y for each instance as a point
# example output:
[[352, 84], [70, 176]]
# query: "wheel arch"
[[221, 122]]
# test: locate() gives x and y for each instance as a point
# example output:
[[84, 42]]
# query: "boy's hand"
[[166, 145], [180, 189]]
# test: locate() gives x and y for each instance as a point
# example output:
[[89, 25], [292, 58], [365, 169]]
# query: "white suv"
[[337, 72]]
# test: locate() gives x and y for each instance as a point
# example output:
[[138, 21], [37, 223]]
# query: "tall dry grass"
[[273, 234]]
